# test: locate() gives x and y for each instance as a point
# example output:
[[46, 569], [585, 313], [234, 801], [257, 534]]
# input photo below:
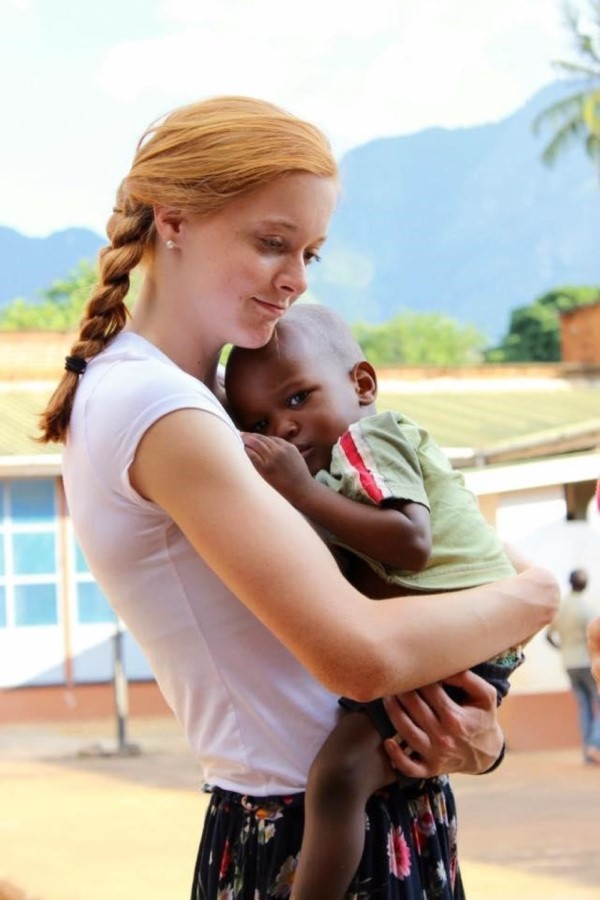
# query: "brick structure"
[[580, 334]]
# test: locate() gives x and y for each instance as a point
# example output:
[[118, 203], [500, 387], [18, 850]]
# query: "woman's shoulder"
[[133, 373]]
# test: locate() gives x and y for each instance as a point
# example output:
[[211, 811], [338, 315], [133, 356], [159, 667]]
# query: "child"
[[396, 513]]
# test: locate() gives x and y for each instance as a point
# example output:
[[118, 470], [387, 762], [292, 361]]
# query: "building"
[[580, 334]]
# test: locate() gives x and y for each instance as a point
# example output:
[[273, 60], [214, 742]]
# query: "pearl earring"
[[170, 245]]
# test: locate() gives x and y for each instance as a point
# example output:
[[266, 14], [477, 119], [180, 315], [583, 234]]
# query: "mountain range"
[[467, 222]]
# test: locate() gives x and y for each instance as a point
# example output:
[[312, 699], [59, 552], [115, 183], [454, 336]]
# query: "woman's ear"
[[167, 220], [365, 382]]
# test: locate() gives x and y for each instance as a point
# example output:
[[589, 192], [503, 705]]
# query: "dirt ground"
[[79, 822]]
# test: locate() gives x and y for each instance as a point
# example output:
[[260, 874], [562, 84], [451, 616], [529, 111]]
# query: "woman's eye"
[[311, 256], [297, 399], [273, 244]]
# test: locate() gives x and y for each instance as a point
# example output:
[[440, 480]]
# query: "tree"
[[534, 331], [60, 306], [420, 339], [576, 117]]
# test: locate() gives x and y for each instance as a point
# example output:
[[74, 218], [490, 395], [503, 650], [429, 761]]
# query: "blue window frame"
[[92, 605], [32, 501], [34, 553], [35, 604], [29, 572]]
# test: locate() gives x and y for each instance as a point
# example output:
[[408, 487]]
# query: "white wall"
[[535, 523]]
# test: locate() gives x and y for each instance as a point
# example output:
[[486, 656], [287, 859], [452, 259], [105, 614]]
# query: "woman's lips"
[[273, 308]]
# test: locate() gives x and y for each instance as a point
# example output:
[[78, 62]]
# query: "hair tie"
[[75, 364]]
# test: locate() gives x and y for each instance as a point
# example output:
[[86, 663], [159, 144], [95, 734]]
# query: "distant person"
[[568, 633], [389, 500]]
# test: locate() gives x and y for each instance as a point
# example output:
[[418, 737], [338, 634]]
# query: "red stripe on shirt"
[[354, 457]]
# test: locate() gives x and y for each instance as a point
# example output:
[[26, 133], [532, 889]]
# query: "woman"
[[250, 628]]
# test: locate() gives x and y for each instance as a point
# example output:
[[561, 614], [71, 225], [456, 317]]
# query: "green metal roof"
[[483, 419], [19, 416], [475, 419]]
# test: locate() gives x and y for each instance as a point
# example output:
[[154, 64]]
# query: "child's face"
[[299, 396]]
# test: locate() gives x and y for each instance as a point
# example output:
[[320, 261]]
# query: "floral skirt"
[[250, 846]]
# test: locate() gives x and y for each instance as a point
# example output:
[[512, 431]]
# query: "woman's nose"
[[292, 277]]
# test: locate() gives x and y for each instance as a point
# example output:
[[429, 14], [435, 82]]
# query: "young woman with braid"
[[225, 205]]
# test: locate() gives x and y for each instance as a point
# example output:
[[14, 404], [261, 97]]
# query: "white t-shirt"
[[254, 716]]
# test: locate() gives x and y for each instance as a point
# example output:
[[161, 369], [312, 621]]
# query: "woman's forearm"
[[432, 637]]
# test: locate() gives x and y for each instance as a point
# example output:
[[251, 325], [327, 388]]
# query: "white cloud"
[[82, 92], [359, 72]]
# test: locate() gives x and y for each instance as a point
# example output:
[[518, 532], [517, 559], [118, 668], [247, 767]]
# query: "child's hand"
[[280, 463]]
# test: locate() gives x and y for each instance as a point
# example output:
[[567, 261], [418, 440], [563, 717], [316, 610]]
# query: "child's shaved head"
[[317, 329]]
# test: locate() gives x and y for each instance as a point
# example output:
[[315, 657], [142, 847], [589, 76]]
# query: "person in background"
[[387, 498], [249, 626], [568, 633]]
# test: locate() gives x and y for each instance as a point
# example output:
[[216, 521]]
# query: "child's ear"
[[365, 382]]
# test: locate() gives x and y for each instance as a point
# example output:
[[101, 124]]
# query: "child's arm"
[[397, 534]]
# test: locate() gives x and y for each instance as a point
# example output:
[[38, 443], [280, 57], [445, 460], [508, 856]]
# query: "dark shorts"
[[250, 846]]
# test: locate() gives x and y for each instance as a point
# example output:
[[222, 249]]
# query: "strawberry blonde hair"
[[198, 158]]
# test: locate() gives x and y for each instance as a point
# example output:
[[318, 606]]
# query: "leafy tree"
[[534, 330], [576, 117], [60, 307], [420, 339]]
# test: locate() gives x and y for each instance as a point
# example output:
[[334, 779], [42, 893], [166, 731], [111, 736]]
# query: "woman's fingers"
[[441, 734]]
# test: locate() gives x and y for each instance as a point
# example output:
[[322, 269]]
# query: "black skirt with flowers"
[[250, 846]]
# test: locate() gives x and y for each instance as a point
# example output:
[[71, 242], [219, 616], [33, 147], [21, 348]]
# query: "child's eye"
[[297, 399], [259, 427]]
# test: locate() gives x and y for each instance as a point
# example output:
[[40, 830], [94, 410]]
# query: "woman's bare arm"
[[190, 463], [594, 648]]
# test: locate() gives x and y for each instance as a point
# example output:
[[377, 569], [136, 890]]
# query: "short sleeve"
[[377, 461]]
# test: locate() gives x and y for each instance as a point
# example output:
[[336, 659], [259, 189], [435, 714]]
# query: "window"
[[92, 605], [28, 553]]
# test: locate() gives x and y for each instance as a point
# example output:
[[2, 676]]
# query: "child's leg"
[[350, 766]]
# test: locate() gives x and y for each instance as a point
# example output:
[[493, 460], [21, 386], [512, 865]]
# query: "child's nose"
[[287, 429]]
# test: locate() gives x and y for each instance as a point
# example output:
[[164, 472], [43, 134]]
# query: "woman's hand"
[[436, 736], [594, 648]]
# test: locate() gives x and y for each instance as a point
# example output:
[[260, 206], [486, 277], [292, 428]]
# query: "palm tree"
[[576, 117]]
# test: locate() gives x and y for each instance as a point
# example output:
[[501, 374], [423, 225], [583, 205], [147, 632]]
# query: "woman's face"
[[240, 269]]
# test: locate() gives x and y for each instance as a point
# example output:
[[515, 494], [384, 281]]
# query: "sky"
[[81, 80]]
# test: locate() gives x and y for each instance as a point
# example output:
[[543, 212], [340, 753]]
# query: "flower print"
[[265, 831], [226, 894], [398, 853], [270, 813], [285, 877], [225, 861], [424, 819], [440, 808], [418, 838], [452, 831], [441, 872]]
